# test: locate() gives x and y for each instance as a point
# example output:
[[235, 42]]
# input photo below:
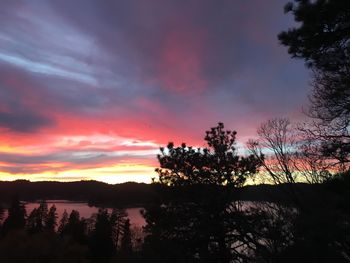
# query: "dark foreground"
[[319, 226]]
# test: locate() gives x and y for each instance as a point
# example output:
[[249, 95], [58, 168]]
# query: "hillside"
[[124, 195]]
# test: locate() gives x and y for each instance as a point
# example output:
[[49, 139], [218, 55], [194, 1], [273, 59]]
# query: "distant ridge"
[[93, 192], [130, 194]]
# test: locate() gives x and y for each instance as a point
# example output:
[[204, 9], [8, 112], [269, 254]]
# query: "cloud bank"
[[87, 85]]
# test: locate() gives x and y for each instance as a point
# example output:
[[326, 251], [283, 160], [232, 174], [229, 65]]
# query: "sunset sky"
[[90, 89]]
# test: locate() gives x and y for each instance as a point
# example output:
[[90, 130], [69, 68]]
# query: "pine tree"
[[196, 204], [41, 216], [101, 242], [36, 221], [1, 213], [32, 221], [51, 219], [321, 38], [16, 218], [76, 227], [63, 222], [126, 243], [118, 218]]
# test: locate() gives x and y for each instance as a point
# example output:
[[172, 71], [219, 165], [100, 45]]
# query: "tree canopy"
[[217, 164], [322, 39], [196, 225]]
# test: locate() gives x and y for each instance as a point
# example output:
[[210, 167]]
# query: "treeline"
[[93, 192], [129, 194], [41, 237], [179, 221]]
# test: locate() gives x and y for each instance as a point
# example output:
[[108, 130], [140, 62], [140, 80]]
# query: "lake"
[[134, 214]]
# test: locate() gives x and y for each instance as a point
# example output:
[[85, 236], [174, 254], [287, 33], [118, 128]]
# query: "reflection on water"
[[86, 211]]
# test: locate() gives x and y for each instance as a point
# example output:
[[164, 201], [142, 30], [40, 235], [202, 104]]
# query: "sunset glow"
[[92, 95]]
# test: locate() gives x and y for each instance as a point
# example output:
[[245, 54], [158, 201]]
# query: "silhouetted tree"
[[75, 228], [196, 224], [1, 213], [322, 35], [16, 218], [42, 214], [101, 243], [51, 219], [1, 218], [137, 238], [125, 253], [297, 231], [313, 166], [63, 222], [118, 218], [327, 143], [32, 222], [288, 156], [322, 40], [276, 148], [38, 219], [275, 136], [126, 244]]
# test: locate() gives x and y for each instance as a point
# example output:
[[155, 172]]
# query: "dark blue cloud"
[[90, 57], [23, 121]]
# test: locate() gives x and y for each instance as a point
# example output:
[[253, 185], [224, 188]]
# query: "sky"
[[89, 89]]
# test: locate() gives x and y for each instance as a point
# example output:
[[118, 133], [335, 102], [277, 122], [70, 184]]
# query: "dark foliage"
[[16, 218], [218, 164], [323, 34], [19, 247], [126, 242], [63, 223], [1, 213], [75, 239], [75, 228], [188, 220], [322, 229], [51, 219], [101, 241], [323, 41], [194, 226], [41, 219], [36, 220], [118, 218]]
